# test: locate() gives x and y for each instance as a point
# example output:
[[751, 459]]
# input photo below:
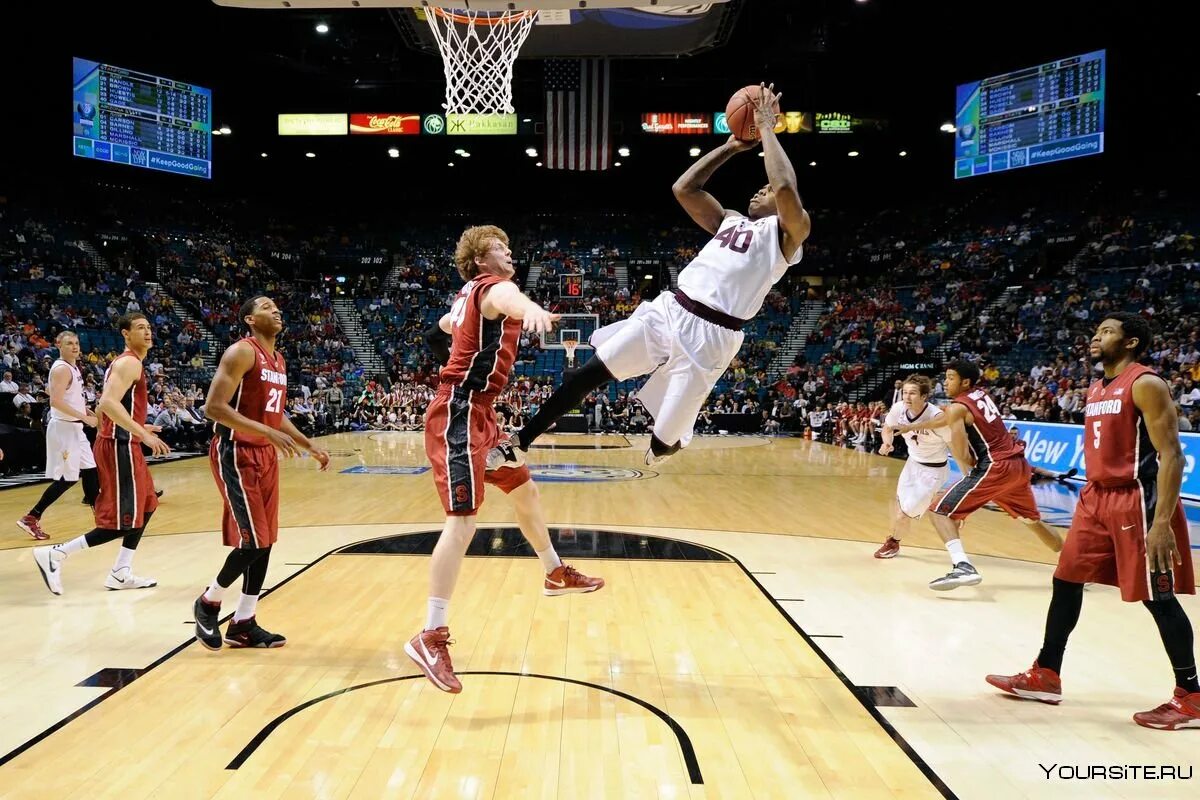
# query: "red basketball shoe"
[[1183, 711], [33, 526], [568, 580], [1035, 683], [889, 549], [429, 650]]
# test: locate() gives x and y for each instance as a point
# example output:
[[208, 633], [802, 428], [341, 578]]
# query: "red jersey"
[[135, 402], [260, 396], [483, 350], [988, 438], [1117, 449]]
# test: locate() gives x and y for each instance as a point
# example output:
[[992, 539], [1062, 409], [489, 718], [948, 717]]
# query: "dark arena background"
[[986, 183]]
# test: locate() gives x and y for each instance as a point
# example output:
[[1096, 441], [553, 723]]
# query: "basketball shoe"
[[963, 574], [507, 453], [248, 633], [208, 627], [49, 561], [124, 578], [1182, 711], [889, 549], [430, 650], [568, 580], [1035, 683], [33, 526]]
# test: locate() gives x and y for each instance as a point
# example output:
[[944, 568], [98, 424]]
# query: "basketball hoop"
[[478, 50], [569, 344]]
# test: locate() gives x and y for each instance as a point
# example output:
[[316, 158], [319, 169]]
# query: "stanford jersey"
[[1117, 449], [483, 350], [134, 402], [989, 439], [260, 396]]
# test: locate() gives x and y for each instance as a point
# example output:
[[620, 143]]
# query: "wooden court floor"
[[746, 645]]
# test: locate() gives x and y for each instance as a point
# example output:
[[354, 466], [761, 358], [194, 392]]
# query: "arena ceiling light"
[[322, 27], [615, 163], [623, 152], [540, 163], [393, 152], [903, 153], [225, 130], [531, 152], [812, 163], [947, 127], [853, 154], [264, 155], [762, 154], [694, 152], [464, 154], [310, 155], [450, 164]]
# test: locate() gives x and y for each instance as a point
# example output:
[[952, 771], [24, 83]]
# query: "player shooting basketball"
[[688, 337]]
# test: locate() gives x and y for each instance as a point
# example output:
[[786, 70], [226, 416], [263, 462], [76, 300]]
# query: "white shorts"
[[918, 485], [686, 354], [67, 450]]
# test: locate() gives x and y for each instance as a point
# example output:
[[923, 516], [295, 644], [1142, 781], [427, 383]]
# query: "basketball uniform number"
[[274, 400], [988, 407], [735, 240], [1096, 434], [458, 311]]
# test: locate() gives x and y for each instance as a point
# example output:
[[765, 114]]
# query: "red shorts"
[[126, 488], [248, 478], [459, 431], [1005, 483], [1107, 544]]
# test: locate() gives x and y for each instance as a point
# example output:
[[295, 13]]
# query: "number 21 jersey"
[[260, 395]]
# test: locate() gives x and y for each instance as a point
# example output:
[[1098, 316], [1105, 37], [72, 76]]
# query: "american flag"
[[577, 114]]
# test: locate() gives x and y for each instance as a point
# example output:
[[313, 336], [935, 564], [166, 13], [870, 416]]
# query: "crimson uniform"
[[245, 465], [1107, 541], [460, 423], [1001, 473], [126, 488]]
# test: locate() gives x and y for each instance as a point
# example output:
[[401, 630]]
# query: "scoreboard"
[[1031, 116], [130, 117]]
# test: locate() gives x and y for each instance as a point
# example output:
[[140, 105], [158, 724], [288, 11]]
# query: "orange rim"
[[463, 19]]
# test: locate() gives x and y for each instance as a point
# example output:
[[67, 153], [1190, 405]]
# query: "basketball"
[[739, 113]]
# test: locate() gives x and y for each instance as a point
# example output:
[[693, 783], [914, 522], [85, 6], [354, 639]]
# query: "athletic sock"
[[247, 603], [549, 558], [957, 554], [74, 546], [436, 613], [215, 593], [124, 559]]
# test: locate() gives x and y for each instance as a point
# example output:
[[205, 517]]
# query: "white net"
[[478, 50]]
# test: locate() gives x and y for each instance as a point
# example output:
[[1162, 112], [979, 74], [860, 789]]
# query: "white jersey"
[[74, 394], [736, 269], [927, 447]]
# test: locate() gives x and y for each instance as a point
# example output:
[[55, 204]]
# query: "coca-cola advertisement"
[[386, 124]]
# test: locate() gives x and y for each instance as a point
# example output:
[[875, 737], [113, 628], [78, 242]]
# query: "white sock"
[[550, 559], [957, 554], [215, 593], [124, 559], [74, 546], [436, 613], [246, 605]]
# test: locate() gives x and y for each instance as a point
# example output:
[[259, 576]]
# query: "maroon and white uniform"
[[126, 488], [1000, 475], [1107, 541], [460, 423], [245, 465]]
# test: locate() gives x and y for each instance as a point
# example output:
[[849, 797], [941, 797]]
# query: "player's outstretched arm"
[[689, 188], [793, 218], [123, 374], [505, 299], [237, 361], [1153, 399]]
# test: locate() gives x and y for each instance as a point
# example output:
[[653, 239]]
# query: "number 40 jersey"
[[260, 396], [988, 438], [738, 266]]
